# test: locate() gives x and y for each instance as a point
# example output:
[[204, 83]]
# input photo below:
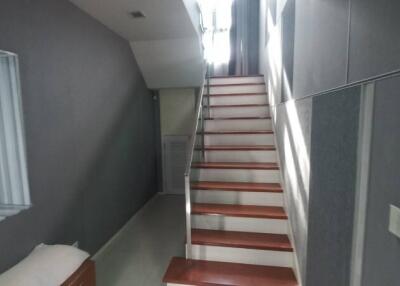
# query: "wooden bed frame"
[[85, 275]]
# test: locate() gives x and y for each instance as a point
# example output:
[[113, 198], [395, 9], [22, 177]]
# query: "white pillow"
[[47, 265]]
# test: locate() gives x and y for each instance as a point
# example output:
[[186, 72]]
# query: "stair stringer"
[[296, 264]]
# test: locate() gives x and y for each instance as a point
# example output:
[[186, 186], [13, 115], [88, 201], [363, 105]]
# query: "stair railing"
[[198, 129]]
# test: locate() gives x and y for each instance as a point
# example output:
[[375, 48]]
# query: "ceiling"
[[165, 43], [165, 19]]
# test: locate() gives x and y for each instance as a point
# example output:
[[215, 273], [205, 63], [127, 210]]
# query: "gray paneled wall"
[[333, 160], [374, 46], [382, 249], [320, 48], [89, 121], [334, 43]]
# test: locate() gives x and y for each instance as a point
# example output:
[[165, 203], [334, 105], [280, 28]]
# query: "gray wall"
[[374, 46], [333, 160], [89, 122], [335, 43], [320, 45], [382, 249]]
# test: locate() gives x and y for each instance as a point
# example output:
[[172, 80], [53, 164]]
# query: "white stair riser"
[[237, 175], [238, 125], [230, 223], [237, 198], [239, 99], [239, 156], [242, 255], [235, 80], [239, 111], [236, 89], [239, 139]]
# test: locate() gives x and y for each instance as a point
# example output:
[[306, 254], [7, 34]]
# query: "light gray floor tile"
[[140, 253]]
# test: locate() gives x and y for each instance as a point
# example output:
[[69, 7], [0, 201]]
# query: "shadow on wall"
[[115, 183]]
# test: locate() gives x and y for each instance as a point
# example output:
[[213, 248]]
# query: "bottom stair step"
[[208, 273]]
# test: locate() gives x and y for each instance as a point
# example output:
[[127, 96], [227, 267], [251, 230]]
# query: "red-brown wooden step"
[[239, 210], [235, 84], [237, 94], [239, 239], [234, 105], [237, 118], [236, 132], [210, 273], [236, 76], [238, 148], [237, 186], [235, 165]]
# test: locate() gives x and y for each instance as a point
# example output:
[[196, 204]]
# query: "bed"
[[52, 265]]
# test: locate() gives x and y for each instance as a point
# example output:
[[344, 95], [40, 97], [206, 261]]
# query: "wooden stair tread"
[[238, 148], [235, 165], [239, 210], [235, 105], [235, 84], [237, 186], [237, 94], [236, 76], [237, 118], [211, 273], [236, 132], [239, 239]]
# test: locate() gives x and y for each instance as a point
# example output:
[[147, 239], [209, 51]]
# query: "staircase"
[[238, 224]]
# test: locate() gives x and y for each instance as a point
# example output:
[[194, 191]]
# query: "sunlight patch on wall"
[[291, 174]]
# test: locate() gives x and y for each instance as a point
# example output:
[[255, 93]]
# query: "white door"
[[174, 163]]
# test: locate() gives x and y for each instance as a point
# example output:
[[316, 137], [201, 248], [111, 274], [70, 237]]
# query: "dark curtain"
[[244, 38]]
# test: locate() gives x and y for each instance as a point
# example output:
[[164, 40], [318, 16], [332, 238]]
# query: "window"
[[14, 188], [216, 21]]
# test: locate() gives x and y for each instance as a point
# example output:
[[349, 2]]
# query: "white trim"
[[243, 255], [245, 224], [236, 175], [363, 172], [237, 198]]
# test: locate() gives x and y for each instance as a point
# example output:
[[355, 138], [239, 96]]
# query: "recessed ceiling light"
[[137, 14]]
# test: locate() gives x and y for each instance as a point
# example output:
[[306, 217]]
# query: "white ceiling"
[[165, 43], [165, 19]]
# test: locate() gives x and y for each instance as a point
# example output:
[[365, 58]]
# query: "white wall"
[[177, 106], [170, 63]]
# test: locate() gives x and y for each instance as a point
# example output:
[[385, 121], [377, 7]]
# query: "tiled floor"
[[140, 253]]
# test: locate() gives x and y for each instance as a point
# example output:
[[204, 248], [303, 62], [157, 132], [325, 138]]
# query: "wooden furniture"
[[85, 275]]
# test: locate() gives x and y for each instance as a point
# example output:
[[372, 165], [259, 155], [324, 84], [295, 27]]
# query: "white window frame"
[[14, 186]]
